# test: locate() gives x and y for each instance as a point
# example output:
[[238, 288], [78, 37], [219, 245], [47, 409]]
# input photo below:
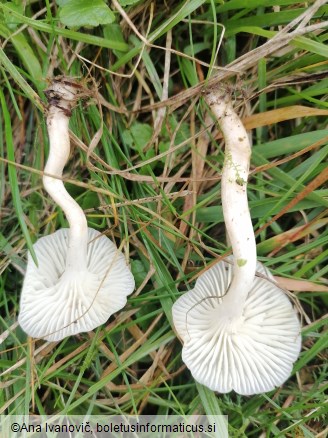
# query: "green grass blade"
[[13, 176]]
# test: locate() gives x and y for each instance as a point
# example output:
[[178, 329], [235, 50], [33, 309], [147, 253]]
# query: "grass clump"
[[152, 183]]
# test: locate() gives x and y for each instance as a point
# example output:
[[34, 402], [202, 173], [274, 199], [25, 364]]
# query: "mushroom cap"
[[251, 354], [57, 302]]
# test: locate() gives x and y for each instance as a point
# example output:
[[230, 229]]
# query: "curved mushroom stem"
[[61, 98], [234, 200]]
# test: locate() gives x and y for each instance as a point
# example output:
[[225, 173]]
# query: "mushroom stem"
[[234, 199], [61, 98], [239, 331]]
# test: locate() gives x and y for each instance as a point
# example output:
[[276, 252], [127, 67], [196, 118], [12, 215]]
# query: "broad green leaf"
[[139, 272], [10, 20], [77, 13], [128, 2], [251, 4], [163, 146], [113, 31], [62, 2], [67, 33], [137, 136]]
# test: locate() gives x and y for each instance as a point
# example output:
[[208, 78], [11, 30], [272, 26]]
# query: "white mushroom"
[[81, 278], [239, 330]]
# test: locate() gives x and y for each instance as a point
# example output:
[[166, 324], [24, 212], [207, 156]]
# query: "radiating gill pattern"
[[68, 302], [252, 354]]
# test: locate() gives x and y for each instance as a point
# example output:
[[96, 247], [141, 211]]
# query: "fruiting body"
[[251, 354], [239, 330], [58, 301], [234, 201], [57, 125], [81, 278]]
